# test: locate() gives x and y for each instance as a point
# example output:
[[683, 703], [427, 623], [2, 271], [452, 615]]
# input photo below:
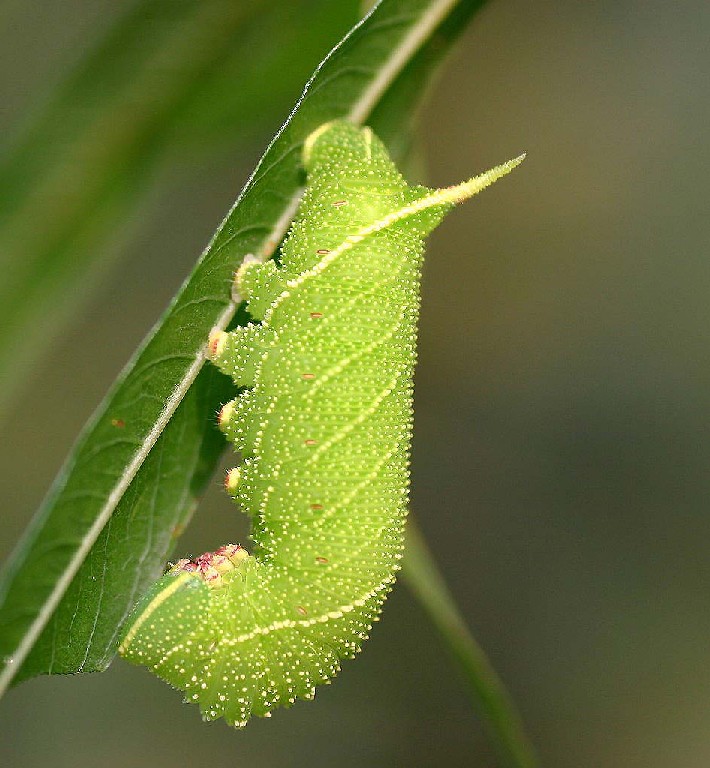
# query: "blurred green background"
[[561, 454]]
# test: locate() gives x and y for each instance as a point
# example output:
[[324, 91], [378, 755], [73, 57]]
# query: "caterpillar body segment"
[[325, 426]]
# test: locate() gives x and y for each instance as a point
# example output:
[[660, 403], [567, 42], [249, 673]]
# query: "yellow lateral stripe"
[[155, 603]]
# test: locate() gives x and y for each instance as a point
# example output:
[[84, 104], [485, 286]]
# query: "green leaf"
[[58, 609], [143, 97]]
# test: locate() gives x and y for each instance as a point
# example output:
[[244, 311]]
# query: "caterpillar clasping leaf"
[[324, 427]]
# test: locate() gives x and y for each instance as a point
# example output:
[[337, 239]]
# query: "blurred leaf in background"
[[173, 80]]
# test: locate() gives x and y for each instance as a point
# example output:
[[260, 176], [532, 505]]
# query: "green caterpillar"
[[324, 426]]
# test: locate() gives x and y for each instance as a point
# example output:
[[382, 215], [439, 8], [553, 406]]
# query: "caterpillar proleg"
[[324, 427]]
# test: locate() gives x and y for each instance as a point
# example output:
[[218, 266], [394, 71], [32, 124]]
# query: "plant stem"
[[485, 688]]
